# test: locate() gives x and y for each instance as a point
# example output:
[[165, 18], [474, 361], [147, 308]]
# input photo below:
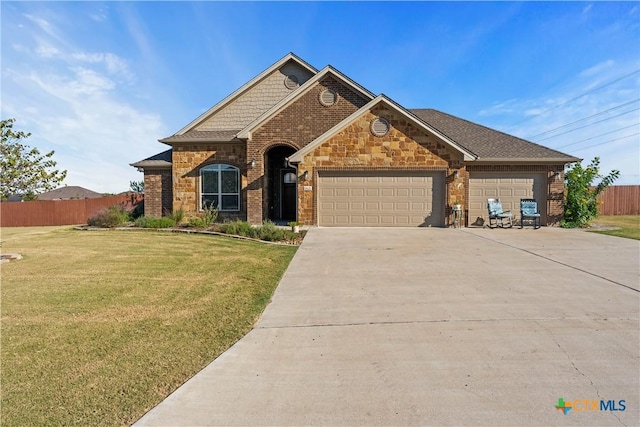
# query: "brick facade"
[[158, 192], [187, 161], [295, 126]]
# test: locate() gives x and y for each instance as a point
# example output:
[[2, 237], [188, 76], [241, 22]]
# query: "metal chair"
[[497, 216], [529, 212]]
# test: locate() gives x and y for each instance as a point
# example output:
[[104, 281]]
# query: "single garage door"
[[509, 187], [381, 199]]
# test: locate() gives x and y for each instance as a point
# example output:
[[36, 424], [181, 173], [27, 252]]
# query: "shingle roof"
[[158, 160], [224, 135], [69, 192], [489, 144]]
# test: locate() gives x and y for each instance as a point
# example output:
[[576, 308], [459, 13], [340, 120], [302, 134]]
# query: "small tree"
[[136, 186], [24, 170], [581, 203]]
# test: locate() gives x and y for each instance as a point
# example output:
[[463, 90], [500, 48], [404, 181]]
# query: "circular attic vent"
[[328, 97], [291, 82], [380, 126]]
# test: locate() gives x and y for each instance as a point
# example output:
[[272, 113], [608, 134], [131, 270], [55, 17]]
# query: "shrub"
[[177, 216], [113, 216], [137, 211], [209, 215], [196, 222], [581, 203], [205, 219], [151, 222], [239, 228], [269, 232]]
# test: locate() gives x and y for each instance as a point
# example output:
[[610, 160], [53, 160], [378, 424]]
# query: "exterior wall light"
[[456, 175], [305, 176], [253, 163]]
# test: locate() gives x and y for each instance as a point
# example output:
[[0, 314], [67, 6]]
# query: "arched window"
[[220, 187]]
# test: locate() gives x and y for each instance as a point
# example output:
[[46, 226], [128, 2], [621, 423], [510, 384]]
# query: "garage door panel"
[[509, 187], [381, 198]]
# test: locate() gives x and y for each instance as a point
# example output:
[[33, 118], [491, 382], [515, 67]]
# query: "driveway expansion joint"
[[554, 261], [416, 322]]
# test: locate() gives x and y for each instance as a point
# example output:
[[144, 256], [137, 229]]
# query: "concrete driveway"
[[433, 327]]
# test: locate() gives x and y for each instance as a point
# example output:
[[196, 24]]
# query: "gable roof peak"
[[244, 88]]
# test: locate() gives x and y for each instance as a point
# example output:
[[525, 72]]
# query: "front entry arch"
[[281, 188]]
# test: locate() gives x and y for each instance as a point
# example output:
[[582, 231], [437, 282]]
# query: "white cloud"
[[597, 69], [79, 104]]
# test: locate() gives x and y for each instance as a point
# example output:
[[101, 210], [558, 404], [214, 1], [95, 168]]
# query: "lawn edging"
[[185, 231]]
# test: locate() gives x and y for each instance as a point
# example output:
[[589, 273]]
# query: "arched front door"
[[281, 185]]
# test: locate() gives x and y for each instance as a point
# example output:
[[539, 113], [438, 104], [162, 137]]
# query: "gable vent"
[[380, 126], [328, 97], [291, 82]]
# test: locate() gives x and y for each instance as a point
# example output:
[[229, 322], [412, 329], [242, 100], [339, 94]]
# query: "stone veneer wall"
[[187, 161], [158, 195], [355, 148], [555, 184], [296, 126]]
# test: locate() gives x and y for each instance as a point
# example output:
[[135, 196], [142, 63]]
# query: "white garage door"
[[381, 199], [509, 187]]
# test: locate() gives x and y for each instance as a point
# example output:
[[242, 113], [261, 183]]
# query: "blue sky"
[[101, 82]]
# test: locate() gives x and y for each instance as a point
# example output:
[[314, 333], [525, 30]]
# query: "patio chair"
[[529, 212], [497, 216]]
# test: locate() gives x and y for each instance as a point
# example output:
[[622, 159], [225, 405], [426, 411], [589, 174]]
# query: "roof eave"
[[533, 160], [155, 165]]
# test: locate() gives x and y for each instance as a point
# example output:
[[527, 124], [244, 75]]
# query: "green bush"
[[239, 228], [196, 222], [177, 216], [113, 216], [270, 232], [205, 219], [581, 203], [209, 215], [151, 222]]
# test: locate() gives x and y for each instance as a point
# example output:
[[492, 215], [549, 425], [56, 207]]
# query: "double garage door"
[[509, 188], [381, 199]]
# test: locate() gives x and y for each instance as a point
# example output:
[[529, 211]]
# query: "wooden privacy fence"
[[620, 200], [61, 212]]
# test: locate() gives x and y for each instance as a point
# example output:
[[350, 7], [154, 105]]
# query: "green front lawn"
[[627, 225], [99, 326]]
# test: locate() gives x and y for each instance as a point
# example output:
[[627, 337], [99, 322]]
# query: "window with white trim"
[[220, 187]]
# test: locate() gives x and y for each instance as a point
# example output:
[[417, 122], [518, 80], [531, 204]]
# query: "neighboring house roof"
[[489, 144], [200, 135], [69, 192], [160, 160], [299, 155], [290, 57], [296, 94]]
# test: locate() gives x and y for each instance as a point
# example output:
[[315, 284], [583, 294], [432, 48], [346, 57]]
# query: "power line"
[[590, 124], [585, 118], [579, 96], [607, 142], [597, 136]]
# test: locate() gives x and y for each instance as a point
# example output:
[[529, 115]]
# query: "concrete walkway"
[[433, 327]]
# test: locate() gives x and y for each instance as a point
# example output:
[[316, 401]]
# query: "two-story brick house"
[[296, 143]]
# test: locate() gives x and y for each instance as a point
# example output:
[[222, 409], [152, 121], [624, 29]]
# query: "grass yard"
[[629, 225], [99, 326]]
